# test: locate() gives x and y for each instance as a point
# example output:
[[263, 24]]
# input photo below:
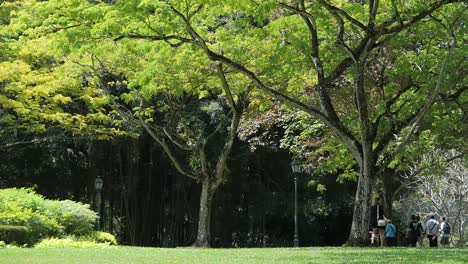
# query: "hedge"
[[14, 234]]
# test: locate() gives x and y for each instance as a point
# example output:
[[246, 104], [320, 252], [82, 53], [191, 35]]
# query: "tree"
[[189, 117], [197, 140], [312, 65]]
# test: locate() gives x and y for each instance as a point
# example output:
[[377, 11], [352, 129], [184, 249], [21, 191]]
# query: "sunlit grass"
[[268, 255]]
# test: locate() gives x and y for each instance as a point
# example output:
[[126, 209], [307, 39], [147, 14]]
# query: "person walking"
[[413, 232], [390, 233], [378, 222], [445, 230], [422, 231], [432, 227]]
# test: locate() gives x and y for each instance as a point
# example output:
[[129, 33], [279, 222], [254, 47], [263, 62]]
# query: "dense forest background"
[[147, 203]]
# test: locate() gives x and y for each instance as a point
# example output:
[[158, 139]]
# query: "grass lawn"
[[238, 256]]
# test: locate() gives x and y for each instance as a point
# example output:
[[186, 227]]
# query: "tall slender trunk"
[[204, 217], [360, 226]]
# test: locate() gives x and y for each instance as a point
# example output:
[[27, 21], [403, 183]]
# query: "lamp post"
[[98, 186], [296, 168]]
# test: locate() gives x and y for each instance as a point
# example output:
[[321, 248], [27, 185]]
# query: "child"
[[390, 233]]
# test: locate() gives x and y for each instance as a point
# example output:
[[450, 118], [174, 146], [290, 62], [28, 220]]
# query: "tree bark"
[[204, 217], [360, 226], [359, 235], [388, 188]]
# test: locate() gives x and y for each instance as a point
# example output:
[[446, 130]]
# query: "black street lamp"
[[98, 186], [296, 168]]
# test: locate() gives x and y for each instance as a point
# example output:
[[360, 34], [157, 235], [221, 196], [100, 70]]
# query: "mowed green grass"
[[238, 256]]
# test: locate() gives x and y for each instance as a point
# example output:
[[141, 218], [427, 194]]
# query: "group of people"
[[432, 229], [385, 231]]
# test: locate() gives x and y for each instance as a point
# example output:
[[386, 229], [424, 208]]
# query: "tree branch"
[[172, 139], [390, 102], [311, 24], [340, 35], [226, 88], [384, 30], [338, 11], [27, 142], [165, 38], [167, 150], [373, 7]]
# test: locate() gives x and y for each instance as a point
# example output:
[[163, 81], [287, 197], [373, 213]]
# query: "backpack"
[[414, 230], [446, 229], [420, 229]]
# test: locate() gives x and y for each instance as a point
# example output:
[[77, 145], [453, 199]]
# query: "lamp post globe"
[[296, 166], [98, 184]]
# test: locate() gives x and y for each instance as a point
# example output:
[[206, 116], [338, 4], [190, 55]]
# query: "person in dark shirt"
[[413, 231]]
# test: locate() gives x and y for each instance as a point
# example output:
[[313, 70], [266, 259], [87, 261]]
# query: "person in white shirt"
[[378, 223], [432, 228]]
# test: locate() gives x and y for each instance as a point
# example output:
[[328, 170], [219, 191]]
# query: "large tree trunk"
[[204, 217], [359, 234]]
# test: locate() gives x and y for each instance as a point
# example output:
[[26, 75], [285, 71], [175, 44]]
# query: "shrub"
[[104, 237], [69, 242], [76, 218], [44, 218], [25, 197], [39, 225], [13, 214], [14, 234]]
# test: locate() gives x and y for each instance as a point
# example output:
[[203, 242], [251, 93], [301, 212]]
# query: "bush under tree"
[[42, 217]]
